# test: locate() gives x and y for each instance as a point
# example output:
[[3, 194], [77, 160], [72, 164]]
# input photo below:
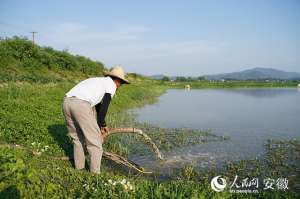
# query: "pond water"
[[248, 116]]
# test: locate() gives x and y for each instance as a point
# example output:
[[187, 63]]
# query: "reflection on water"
[[248, 116], [262, 93]]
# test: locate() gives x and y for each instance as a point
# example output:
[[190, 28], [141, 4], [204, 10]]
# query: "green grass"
[[32, 112]]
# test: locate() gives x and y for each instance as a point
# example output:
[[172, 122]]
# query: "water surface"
[[248, 116]]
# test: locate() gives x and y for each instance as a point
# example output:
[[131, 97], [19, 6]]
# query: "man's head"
[[118, 75], [117, 81]]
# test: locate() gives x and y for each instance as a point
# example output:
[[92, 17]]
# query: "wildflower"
[[123, 181], [130, 187], [86, 186]]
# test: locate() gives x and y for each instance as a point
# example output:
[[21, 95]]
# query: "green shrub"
[[34, 63]]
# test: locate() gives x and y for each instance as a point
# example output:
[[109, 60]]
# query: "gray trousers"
[[83, 128]]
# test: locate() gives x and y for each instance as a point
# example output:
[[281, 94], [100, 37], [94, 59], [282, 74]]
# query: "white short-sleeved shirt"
[[93, 89]]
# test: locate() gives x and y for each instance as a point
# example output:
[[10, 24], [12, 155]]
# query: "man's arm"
[[102, 109]]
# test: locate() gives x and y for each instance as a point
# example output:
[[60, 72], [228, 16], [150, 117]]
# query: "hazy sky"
[[170, 37]]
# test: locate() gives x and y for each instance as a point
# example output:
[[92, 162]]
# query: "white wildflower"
[[86, 186], [130, 187], [123, 181]]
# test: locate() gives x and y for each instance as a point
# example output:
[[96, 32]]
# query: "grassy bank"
[[20, 60], [232, 84], [32, 112]]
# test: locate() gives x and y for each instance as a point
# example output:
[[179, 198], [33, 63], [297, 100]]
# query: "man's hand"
[[104, 131]]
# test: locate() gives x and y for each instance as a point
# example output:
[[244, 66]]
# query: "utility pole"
[[33, 32]]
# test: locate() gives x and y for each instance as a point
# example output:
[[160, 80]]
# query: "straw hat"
[[118, 72]]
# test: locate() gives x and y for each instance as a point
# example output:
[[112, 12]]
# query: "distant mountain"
[[257, 74]]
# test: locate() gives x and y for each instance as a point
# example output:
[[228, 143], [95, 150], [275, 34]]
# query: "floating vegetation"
[[168, 139], [282, 160]]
